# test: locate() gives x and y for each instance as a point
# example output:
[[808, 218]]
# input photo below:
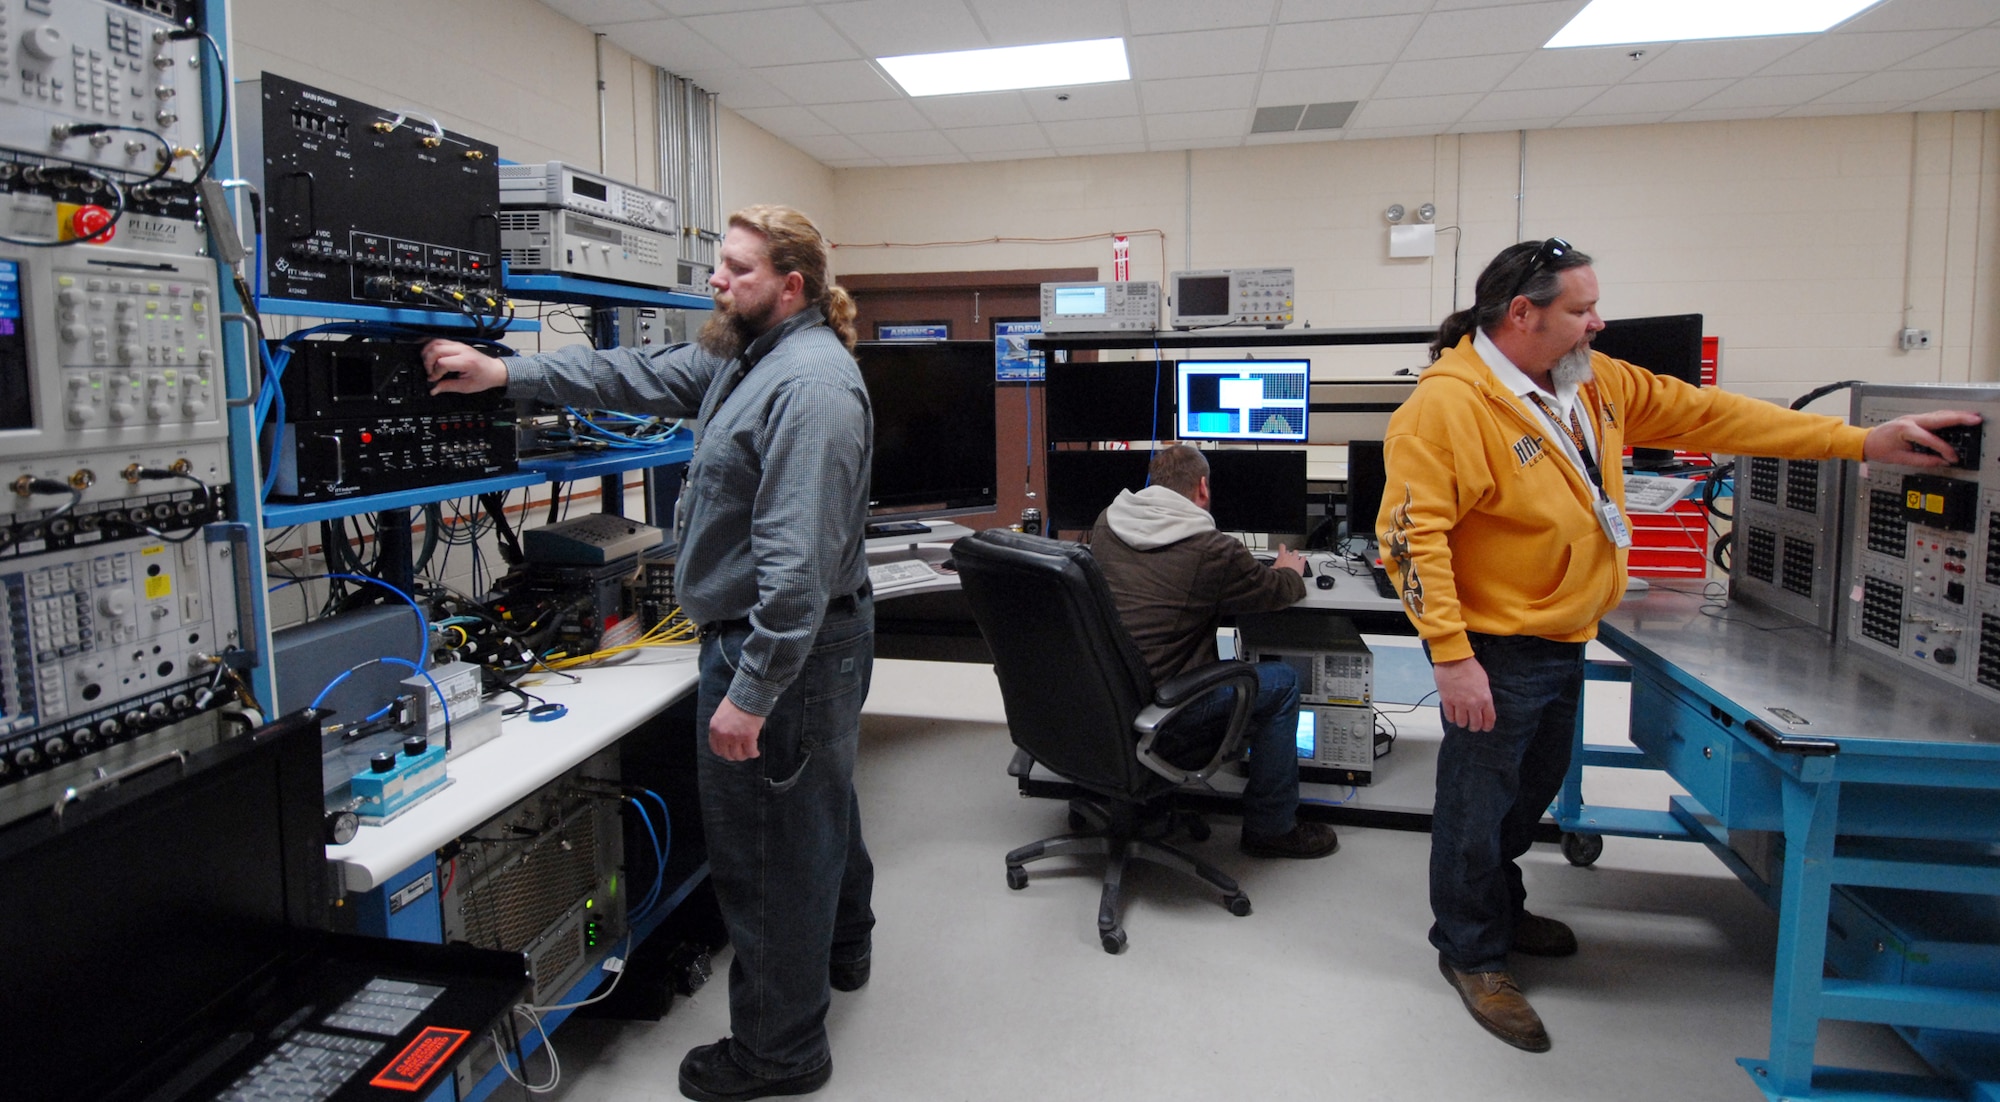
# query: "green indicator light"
[[589, 903]]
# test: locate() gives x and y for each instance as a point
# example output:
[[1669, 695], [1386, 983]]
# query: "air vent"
[[1303, 116]]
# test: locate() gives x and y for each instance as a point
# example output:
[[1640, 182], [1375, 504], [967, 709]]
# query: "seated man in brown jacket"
[[1174, 577]]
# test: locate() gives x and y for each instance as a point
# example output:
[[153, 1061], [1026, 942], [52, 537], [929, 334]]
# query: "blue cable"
[[444, 709], [653, 894], [666, 824], [423, 625]]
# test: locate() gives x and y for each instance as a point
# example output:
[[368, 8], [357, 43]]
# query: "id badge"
[[1613, 523]]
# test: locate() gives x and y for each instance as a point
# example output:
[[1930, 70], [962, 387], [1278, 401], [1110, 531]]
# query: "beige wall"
[[1806, 243]]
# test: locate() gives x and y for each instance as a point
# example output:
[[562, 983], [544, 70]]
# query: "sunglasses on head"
[[1550, 251]]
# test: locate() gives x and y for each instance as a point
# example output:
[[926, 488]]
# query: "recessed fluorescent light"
[[1617, 22], [1056, 64]]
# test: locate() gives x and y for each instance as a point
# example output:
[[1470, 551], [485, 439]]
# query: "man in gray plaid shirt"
[[772, 567]]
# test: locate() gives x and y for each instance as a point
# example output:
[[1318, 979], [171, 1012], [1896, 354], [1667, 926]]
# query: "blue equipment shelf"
[[280, 516], [569, 468], [598, 292], [390, 315]]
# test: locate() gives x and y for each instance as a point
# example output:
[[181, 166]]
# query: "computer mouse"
[[949, 566], [1325, 581]]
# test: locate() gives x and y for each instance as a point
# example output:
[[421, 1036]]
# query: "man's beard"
[[727, 332], [1573, 369]]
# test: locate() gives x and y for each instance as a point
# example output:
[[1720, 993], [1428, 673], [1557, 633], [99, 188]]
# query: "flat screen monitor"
[[1242, 399], [1110, 401], [1366, 479], [934, 426], [1669, 344], [1666, 345], [1258, 491], [1082, 483]]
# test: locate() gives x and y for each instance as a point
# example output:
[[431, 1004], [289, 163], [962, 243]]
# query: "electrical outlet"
[[1910, 340]]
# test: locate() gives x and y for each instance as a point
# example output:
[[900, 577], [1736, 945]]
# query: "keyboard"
[[308, 1067], [901, 572]]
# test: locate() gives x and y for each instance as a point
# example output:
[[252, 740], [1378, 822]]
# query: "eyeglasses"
[[1550, 251]]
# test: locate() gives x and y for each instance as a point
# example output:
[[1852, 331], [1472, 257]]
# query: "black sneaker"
[[849, 975], [710, 1073], [1304, 841]]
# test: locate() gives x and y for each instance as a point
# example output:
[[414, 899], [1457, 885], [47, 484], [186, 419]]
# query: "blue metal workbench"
[[1830, 784]]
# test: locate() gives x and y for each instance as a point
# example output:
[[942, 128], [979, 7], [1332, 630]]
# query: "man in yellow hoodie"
[[1503, 525]]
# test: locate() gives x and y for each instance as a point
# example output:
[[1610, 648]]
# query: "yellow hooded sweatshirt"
[[1486, 526]]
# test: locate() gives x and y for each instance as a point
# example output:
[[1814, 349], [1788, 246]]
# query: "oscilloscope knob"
[[44, 42]]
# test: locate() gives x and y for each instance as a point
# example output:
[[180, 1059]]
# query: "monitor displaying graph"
[[1242, 399]]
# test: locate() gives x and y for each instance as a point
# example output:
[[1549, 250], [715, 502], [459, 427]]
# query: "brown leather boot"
[[1542, 937], [1496, 1002]]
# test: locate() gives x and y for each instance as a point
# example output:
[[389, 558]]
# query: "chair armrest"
[[1174, 696], [1022, 764]]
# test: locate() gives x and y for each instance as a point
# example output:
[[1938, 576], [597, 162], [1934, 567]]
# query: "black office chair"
[[1081, 703]]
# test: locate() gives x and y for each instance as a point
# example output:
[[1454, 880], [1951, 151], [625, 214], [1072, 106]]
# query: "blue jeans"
[[1271, 795], [784, 841], [1492, 788]]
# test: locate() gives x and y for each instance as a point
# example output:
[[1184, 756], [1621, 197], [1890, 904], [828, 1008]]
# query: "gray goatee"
[[1572, 369]]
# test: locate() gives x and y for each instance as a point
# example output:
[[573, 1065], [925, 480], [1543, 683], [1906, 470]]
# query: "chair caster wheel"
[[1238, 904], [1582, 850], [1113, 941], [1017, 877]]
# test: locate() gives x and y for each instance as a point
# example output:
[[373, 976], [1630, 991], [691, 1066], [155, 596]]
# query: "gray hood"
[[1155, 517]]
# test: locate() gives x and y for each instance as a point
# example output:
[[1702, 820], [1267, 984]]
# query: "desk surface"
[[1774, 666], [609, 703]]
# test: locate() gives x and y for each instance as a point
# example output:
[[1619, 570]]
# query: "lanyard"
[[1575, 446]]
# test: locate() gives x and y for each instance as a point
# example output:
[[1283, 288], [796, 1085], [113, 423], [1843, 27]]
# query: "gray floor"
[[1328, 990]]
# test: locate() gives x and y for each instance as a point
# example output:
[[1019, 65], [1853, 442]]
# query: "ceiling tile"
[[1445, 76], [873, 118], [1569, 68], [1023, 22], [976, 109], [1090, 101], [989, 139], [1776, 91], [1095, 132], [1433, 111], [592, 13], [1637, 119], [1011, 154], [1973, 48], [1902, 85], [1984, 93], [1718, 114], [889, 28], [1308, 11], [1552, 103], [1163, 16], [788, 122], [1737, 57], [1488, 30], [1194, 54], [1812, 110], [1676, 95], [1198, 93], [1294, 137], [739, 88], [667, 43], [831, 82], [1319, 85], [1104, 150], [829, 147], [1854, 53], [908, 143], [708, 7], [1339, 42], [1922, 15], [1470, 125], [1197, 124], [777, 36], [851, 162], [1380, 132]]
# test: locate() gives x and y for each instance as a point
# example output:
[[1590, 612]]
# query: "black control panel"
[[350, 457], [368, 205], [354, 379]]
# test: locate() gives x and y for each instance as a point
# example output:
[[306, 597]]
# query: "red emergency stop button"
[[90, 220]]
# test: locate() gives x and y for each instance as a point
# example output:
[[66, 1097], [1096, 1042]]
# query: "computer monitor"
[[1082, 483], [1258, 491], [1366, 480], [1128, 400], [934, 427], [1669, 344], [1261, 400]]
